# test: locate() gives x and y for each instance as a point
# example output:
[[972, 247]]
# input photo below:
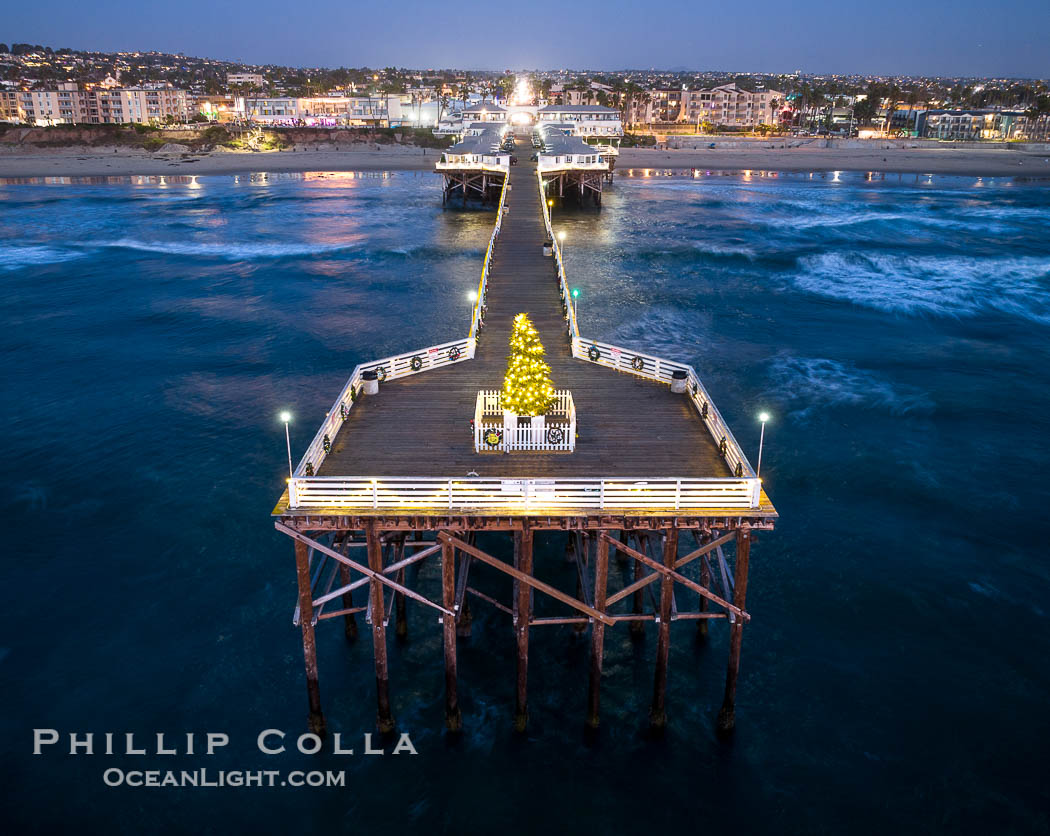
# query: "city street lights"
[[763, 417], [286, 416]]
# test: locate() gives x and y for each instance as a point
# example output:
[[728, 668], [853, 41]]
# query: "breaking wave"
[[227, 250], [16, 256], [938, 285], [806, 383]]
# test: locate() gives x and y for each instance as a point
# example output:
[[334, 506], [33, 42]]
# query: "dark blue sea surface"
[[895, 675]]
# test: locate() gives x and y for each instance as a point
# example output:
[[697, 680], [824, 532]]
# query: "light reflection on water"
[[895, 328]]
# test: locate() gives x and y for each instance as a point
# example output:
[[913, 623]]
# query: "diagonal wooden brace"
[[682, 561], [663, 570], [387, 570], [528, 580], [360, 567]]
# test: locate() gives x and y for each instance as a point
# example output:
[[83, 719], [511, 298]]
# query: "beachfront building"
[[583, 120], [69, 105], [321, 111], [729, 106], [484, 111], [476, 166], [10, 110], [981, 124], [569, 166]]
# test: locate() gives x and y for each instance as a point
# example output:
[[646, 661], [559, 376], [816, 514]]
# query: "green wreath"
[[416, 363], [555, 435], [453, 353], [638, 364], [493, 438], [381, 373], [594, 354]]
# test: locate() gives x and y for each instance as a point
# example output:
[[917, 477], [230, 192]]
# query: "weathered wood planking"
[[421, 425]]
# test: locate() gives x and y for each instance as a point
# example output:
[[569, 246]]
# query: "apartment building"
[[68, 105], [251, 79], [352, 111], [981, 124], [729, 106], [10, 111]]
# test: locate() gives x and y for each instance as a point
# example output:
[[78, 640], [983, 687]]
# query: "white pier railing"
[[407, 494], [389, 368], [477, 316]]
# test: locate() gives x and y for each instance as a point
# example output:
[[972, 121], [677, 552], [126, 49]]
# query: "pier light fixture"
[[763, 417], [286, 418], [473, 296], [575, 303]]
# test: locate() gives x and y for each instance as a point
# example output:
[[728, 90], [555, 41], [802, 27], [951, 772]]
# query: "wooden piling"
[[384, 718], [657, 715], [727, 714], [601, 577], [306, 621], [401, 617], [637, 628], [349, 622], [453, 717], [705, 582], [523, 608]]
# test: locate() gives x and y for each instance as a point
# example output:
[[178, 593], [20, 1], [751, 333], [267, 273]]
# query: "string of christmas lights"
[[527, 385]]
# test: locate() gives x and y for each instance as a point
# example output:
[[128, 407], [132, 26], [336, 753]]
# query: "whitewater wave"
[[231, 251], [808, 383], [937, 285], [16, 256], [713, 248]]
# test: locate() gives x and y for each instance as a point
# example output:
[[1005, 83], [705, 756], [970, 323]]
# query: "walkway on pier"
[[420, 425]]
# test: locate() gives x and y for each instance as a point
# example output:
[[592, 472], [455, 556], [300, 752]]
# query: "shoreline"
[[103, 162]]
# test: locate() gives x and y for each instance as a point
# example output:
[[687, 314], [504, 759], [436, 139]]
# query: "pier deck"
[[420, 425], [398, 482]]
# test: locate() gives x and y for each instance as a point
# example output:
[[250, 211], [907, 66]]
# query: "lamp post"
[[286, 416], [550, 207], [561, 241], [576, 304], [763, 417]]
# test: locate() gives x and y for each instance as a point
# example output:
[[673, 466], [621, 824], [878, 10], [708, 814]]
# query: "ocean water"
[[894, 677]]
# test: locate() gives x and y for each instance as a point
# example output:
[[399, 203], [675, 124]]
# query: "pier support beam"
[[705, 582], [306, 621], [522, 616], [657, 715], [727, 714], [637, 628], [453, 717], [601, 577], [401, 619], [349, 622], [384, 719]]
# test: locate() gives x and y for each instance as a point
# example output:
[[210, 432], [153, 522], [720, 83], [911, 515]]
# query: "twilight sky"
[[931, 37]]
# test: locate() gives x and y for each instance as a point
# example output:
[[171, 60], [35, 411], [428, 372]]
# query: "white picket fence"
[[492, 433], [408, 494]]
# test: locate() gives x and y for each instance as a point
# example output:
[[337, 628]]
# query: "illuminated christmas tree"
[[527, 386]]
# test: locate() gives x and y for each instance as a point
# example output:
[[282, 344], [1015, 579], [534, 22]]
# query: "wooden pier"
[[392, 479]]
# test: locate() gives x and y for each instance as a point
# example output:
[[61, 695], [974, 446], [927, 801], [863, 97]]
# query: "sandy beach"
[[95, 162]]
